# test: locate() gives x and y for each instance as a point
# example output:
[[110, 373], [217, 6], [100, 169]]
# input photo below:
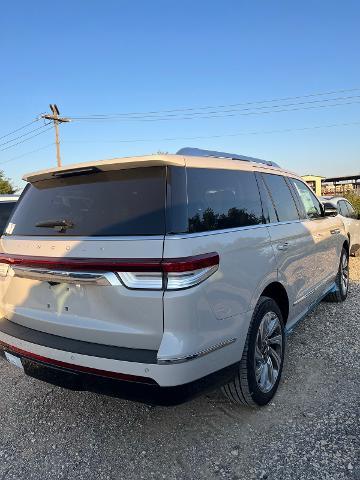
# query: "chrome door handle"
[[335, 231], [283, 246]]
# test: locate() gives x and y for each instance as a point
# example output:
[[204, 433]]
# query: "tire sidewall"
[[264, 306], [343, 294]]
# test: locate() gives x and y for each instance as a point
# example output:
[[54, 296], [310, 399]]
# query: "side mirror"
[[329, 210]]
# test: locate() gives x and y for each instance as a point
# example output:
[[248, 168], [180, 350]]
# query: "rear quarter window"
[[112, 203], [220, 199]]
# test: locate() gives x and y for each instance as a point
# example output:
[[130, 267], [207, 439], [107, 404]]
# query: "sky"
[[118, 56]]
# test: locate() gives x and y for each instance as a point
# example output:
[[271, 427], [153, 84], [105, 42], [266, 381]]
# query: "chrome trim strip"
[[76, 239], [193, 356], [179, 236], [61, 276]]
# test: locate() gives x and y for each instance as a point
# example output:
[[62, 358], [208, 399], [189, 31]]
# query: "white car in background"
[[350, 218], [7, 205]]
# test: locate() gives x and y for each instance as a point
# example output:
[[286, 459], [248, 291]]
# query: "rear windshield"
[[123, 202]]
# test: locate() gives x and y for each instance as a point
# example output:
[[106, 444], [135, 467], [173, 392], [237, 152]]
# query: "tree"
[[5, 184], [354, 199]]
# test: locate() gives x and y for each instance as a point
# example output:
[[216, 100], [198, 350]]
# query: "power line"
[[221, 115], [20, 128], [282, 99], [233, 113], [199, 137], [24, 134], [27, 153], [25, 140]]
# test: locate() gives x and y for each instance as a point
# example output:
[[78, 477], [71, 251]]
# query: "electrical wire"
[[259, 132], [25, 134], [25, 140], [28, 153], [221, 115], [282, 99], [20, 128]]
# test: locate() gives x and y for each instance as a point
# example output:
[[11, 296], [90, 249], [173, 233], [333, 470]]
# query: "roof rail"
[[198, 152]]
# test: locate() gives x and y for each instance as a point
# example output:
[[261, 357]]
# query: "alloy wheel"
[[344, 273], [268, 352]]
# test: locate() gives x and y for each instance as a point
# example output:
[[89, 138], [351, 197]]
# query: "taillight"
[[174, 273], [143, 274]]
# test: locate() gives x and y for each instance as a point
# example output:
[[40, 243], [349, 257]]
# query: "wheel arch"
[[277, 292]]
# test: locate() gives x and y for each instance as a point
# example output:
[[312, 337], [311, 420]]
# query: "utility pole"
[[56, 119]]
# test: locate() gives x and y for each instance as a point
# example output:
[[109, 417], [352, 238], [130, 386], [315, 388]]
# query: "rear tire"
[[258, 376], [341, 281]]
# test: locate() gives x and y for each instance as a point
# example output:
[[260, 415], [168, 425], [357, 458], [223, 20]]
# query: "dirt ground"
[[310, 431]]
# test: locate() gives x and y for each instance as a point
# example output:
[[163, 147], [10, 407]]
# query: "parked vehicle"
[[350, 218], [7, 204], [178, 271]]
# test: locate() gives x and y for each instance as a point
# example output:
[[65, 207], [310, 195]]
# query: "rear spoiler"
[[105, 165]]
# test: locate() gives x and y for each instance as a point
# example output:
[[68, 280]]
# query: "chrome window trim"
[[68, 238], [179, 236]]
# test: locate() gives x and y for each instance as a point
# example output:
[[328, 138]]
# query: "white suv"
[[176, 271]]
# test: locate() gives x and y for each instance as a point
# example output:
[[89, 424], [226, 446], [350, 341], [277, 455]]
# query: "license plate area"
[[15, 361]]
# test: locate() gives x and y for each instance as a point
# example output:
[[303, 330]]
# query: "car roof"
[[190, 161]]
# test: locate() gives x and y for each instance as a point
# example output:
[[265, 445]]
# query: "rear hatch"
[[61, 249]]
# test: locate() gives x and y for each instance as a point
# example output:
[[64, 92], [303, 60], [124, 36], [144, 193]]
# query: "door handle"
[[283, 246], [335, 231]]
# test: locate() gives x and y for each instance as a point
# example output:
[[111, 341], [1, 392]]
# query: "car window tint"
[[342, 208], [220, 199], [282, 197], [105, 203], [311, 204], [268, 206], [351, 211]]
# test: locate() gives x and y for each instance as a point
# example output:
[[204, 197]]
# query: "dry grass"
[[355, 269]]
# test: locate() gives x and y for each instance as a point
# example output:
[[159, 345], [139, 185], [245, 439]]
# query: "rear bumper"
[[144, 393], [116, 364]]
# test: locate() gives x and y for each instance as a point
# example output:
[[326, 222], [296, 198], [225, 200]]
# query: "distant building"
[[333, 185], [314, 182], [341, 185]]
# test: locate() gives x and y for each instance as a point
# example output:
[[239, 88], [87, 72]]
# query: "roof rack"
[[198, 152]]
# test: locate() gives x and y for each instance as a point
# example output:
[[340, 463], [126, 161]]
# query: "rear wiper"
[[61, 225]]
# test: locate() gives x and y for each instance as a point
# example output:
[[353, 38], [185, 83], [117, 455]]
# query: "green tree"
[[5, 184], [354, 199]]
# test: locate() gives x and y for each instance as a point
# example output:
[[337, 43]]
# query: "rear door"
[[94, 219]]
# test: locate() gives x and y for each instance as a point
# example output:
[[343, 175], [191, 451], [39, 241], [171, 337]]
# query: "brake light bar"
[[181, 264], [149, 274]]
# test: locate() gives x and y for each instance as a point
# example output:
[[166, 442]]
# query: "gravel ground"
[[310, 431]]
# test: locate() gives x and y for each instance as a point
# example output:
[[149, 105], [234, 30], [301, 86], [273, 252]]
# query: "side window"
[[342, 208], [220, 199], [352, 213], [283, 200], [311, 204], [351, 210]]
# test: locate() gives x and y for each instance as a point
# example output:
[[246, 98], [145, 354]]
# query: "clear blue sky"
[[130, 55]]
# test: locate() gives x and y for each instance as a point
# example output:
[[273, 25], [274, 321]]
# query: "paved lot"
[[310, 431]]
